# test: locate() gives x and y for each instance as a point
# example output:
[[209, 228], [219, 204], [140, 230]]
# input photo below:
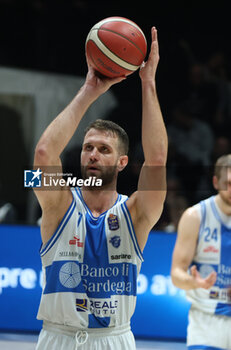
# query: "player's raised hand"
[[201, 282], [148, 68], [99, 83]]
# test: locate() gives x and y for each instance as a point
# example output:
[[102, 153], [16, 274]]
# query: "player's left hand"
[[148, 68]]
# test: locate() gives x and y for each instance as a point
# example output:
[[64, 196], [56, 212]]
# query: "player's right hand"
[[98, 83], [201, 282]]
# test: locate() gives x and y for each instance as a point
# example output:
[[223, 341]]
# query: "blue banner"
[[20, 277], [162, 309]]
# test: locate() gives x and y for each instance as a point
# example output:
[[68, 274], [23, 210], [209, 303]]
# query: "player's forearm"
[[59, 132], [182, 280], [154, 135]]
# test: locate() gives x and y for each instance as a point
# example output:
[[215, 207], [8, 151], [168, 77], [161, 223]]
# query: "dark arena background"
[[42, 66]]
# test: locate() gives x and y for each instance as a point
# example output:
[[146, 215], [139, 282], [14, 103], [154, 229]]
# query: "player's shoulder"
[[189, 223], [122, 198], [197, 210], [191, 214], [120, 206], [193, 211]]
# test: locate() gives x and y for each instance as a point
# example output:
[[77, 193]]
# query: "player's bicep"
[[187, 235]]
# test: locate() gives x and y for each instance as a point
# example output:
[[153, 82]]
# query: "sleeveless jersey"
[[213, 253], [90, 267]]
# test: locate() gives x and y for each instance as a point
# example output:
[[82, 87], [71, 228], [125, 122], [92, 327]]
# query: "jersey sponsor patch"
[[69, 275], [103, 307], [210, 249], [81, 305], [115, 241], [121, 256], [76, 241], [113, 222], [214, 294]]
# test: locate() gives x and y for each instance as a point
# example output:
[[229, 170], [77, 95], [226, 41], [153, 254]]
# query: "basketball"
[[116, 46]]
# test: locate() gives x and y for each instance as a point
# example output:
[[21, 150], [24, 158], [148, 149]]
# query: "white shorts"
[[208, 331], [56, 337]]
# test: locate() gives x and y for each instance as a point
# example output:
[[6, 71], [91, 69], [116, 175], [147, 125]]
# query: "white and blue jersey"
[[213, 253], [90, 267]]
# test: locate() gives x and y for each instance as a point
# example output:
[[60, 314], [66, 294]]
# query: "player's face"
[[224, 185], [100, 156]]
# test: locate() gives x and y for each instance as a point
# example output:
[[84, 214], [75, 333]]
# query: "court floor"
[[27, 342]]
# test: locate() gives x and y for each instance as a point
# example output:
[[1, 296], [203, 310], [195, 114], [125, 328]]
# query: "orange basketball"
[[116, 46]]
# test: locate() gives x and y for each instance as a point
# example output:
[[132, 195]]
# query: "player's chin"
[[228, 200], [93, 173]]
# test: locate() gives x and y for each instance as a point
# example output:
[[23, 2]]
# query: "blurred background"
[[42, 66]]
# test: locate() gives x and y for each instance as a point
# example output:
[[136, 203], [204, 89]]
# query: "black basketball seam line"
[[94, 60], [109, 59], [108, 30], [123, 36]]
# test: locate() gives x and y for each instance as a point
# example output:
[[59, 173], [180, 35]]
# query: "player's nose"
[[94, 155]]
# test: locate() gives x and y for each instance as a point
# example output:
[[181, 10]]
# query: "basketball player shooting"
[[93, 238]]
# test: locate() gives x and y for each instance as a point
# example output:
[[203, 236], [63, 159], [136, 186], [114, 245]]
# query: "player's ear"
[[122, 162], [215, 182]]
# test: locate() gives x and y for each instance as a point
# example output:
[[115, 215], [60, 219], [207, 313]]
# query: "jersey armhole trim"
[[202, 223], [215, 211], [131, 230], [47, 246]]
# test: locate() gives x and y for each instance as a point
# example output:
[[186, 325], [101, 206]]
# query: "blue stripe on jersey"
[[226, 251], [100, 278], [214, 209], [79, 194], [98, 322], [199, 347], [96, 281], [223, 309], [95, 243], [131, 230], [224, 270], [217, 214], [44, 248], [63, 276]]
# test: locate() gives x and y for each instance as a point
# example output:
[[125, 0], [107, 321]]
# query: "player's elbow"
[[162, 153], [41, 155], [174, 279], [156, 159], [179, 278]]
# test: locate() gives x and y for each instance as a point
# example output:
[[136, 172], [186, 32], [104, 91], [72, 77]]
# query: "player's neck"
[[99, 201], [223, 206]]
